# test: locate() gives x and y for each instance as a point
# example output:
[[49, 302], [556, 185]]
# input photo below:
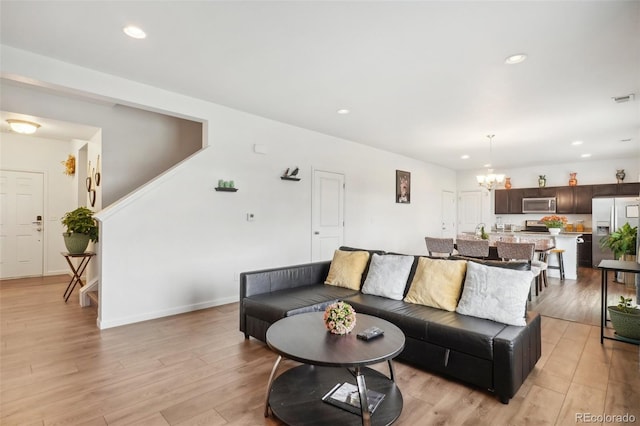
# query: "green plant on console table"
[[81, 221]]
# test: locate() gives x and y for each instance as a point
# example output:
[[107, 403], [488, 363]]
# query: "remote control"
[[370, 333]]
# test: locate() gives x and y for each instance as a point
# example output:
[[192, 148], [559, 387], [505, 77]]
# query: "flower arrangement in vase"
[[554, 223], [340, 318]]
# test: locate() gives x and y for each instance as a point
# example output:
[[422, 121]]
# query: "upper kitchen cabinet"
[[574, 199], [616, 189], [502, 201]]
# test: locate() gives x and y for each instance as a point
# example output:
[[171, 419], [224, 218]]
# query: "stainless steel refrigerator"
[[610, 214]]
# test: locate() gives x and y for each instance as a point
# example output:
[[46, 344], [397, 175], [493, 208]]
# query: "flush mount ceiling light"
[[515, 59], [490, 180], [343, 111], [585, 155], [134, 32], [22, 126], [464, 157], [577, 143]]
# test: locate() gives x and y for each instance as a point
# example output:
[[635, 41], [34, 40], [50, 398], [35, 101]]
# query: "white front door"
[[327, 214], [448, 214], [21, 222]]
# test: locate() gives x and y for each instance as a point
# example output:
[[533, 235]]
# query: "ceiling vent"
[[621, 99]]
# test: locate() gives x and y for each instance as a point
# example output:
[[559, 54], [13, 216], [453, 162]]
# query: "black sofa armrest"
[[516, 351], [274, 279]]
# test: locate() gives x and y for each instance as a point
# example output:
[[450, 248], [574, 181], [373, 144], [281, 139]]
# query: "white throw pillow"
[[496, 294], [388, 275]]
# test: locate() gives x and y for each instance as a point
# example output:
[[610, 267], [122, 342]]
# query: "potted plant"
[[623, 244], [554, 223], [625, 319], [81, 228]]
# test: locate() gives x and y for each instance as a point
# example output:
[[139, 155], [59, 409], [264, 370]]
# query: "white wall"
[[136, 145], [177, 245], [30, 153], [591, 172]]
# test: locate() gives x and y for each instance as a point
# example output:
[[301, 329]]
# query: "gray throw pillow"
[[496, 294], [388, 276]]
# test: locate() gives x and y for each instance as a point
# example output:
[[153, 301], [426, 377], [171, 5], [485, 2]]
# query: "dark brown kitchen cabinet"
[[564, 200], [582, 199], [629, 188], [584, 251], [573, 199], [502, 201], [607, 190]]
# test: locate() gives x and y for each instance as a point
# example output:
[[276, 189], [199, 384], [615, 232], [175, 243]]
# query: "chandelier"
[[490, 180]]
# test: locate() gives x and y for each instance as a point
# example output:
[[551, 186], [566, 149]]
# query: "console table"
[[616, 266], [77, 271]]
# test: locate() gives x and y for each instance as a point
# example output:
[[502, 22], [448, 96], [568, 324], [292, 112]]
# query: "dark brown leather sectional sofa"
[[484, 353]]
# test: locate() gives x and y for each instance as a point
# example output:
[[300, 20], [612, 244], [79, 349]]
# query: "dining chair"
[[521, 251], [439, 245], [473, 248]]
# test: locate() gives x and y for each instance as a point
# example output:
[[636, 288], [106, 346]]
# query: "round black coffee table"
[[295, 397]]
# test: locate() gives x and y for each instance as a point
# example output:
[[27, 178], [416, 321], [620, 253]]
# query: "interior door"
[[327, 214], [448, 214], [470, 210], [21, 222]]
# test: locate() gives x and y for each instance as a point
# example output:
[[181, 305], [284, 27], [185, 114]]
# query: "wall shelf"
[[226, 189], [289, 178]]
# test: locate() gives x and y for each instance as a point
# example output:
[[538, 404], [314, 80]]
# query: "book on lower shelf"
[[347, 397]]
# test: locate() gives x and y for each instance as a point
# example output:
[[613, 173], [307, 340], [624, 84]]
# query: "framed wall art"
[[403, 187]]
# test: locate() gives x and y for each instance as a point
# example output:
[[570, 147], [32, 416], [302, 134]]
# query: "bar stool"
[[560, 266]]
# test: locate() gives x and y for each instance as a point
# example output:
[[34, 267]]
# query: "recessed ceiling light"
[[577, 143], [625, 140], [515, 59], [22, 126], [585, 155], [134, 32], [465, 157], [487, 165], [343, 111]]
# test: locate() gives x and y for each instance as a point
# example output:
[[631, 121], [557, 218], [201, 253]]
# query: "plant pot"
[[554, 231], [76, 243], [626, 325]]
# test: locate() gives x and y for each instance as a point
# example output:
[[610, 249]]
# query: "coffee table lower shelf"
[[296, 396]]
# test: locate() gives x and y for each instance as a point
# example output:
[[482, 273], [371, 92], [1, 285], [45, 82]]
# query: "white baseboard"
[[117, 322]]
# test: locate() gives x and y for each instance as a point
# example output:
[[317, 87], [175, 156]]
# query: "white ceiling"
[[423, 79]]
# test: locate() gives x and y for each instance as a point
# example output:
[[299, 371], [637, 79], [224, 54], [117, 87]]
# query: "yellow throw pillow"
[[437, 283], [347, 268]]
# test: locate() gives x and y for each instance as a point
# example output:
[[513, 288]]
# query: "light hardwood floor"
[[56, 367]]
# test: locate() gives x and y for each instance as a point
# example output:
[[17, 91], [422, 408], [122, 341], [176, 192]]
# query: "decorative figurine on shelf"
[[507, 183], [542, 181], [572, 179], [620, 175], [291, 176]]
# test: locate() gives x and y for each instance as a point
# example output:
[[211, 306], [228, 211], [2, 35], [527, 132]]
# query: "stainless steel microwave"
[[539, 205]]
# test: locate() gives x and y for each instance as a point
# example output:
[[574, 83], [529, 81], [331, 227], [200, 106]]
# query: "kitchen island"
[[567, 241]]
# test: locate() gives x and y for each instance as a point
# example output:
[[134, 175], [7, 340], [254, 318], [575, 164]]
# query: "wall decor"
[[69, 165], [507, 183], [403, 187], [542, 181], [573, 181], [98, 175], [226, 186], [89, 180], [620, 175], [293, 175]]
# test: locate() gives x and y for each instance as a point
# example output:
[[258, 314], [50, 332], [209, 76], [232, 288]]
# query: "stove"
[[534, 226]]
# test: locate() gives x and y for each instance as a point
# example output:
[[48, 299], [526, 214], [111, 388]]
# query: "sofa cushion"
[[494, 293], [437, 283], [451, 330], [387, 276], [273, 306], [347, 268]]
